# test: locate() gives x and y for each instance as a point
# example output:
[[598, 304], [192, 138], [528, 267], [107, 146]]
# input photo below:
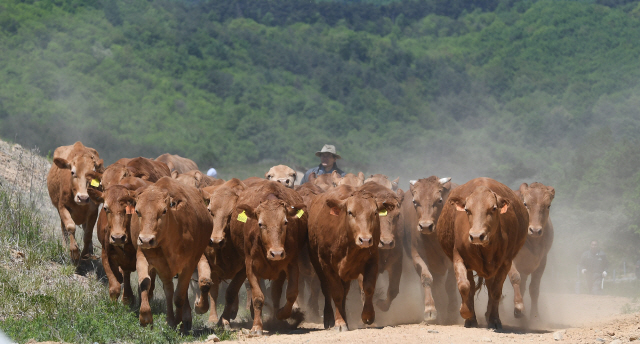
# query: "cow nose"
[[426, 227], [216, 242], [147, 241], [118, 239], [478, 238], [386, 244], [82, 199], [364, 241], [535, 231], [277, 254]]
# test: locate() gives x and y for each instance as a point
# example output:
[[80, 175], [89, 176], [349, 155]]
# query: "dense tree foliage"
[[515, 90]]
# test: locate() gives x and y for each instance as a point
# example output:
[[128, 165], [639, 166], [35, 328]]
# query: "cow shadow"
[[89, 265], [271, 325]]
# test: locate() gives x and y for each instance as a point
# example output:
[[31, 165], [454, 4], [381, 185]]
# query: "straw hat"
[[328, 149]]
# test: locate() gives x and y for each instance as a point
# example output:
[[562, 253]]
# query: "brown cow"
[[420, 212], [282, 174], [270, 223], [391, 238], [343, 244], [383, 180], [221, 261], [348, 179], [532, 258], [177, 163], [482, 227], [148, 169], [323, 181], [196, 179], [171, 231], [114, 234], [67, 185]]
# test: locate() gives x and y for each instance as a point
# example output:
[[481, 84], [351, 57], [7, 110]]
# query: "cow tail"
[[479, 284]]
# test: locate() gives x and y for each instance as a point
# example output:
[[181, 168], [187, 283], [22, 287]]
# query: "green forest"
[[516, 90]]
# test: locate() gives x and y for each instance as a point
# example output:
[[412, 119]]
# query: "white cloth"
[[212, 172]]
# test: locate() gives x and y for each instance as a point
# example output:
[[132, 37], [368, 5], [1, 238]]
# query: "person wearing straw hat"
[[328, 157]]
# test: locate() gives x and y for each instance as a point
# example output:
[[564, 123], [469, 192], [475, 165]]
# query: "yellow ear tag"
[[300, 213], [383, 212], [242, 217], [95, 183]]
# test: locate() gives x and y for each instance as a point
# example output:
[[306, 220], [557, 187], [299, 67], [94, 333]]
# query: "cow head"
[[360, 212], [389, 212], [483, 209], [118, 204], [429, 195], [113, 174], [348, 179], [78, 167], [537, 199], [323, 181], [384, 181], [221, 201], [272, 217], [282, 174], [154, 208], [192, 178]]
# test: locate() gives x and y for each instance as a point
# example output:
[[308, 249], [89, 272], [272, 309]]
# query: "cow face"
[[154, 207], [429, 195], [282, 174], [221, 203], [118, 205], [79, 166], [537, 199], [272, 217], [389, 214], [348, 179], [191, 178], [483, 208], [361, 216]]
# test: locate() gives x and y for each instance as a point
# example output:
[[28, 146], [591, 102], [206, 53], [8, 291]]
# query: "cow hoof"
[[75, 256], [341, 328], [283, 313], [256, 331], [517, 313], [495, 324], [430, 316], [202, 305], [471, 323]]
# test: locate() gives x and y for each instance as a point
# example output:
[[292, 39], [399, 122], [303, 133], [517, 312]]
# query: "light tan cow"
[[282, 174]]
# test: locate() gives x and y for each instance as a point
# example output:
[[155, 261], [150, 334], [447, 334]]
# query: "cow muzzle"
[[147, 241], [426, 227], [216, 242], [118, 239], [364, 241], [82, 198], [288, 182], [387, 243], [479, 238], [276, 254], [535, 231]]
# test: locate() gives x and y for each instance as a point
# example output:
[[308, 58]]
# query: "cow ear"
[[95, 180], [175, 203], [198, 176], [206, 196], [240, 186], [296, 210], [294, 176], [335, 177], [247, 210], [170, 166], [99, 166], [400, 194], [361, 177], [523, 188], [96, 195], [62, 163], [503, 204], [552, 191], [336, 204], [386, 206], [458, 203], [312, 177], [174, 174], [395, 183]]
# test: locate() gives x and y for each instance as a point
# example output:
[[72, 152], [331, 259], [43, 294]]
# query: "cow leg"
[[292, 291], [213, 301], [336, 287], [534, 287], [114, 277], [276, 289], [247, 287], [426, 279], [204, 284], [257, 299], [69, 233], [395, 272], [452, 304], [494, 288], [167, 286], [231, 299], [369, 278], [181, 299], [144, 286], [466, 287], [152, 285], [87, 228], [313, 295], [514, 277], [127, 294]]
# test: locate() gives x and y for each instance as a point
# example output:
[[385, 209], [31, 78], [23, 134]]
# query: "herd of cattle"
[[164, 217]]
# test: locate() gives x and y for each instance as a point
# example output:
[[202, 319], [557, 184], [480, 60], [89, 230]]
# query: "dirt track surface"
[[571, 318]]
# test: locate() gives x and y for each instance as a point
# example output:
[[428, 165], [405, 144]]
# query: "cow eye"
[[269, 177], [440, 200], [164, 211], [106, 210], [73, 173], [350, 213], [260, 224], [415, 204], [138, 213], [495, 208], [525, 204], [286, 221]]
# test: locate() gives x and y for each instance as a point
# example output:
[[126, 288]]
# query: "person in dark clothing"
[[328, 157], [594, 266]]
